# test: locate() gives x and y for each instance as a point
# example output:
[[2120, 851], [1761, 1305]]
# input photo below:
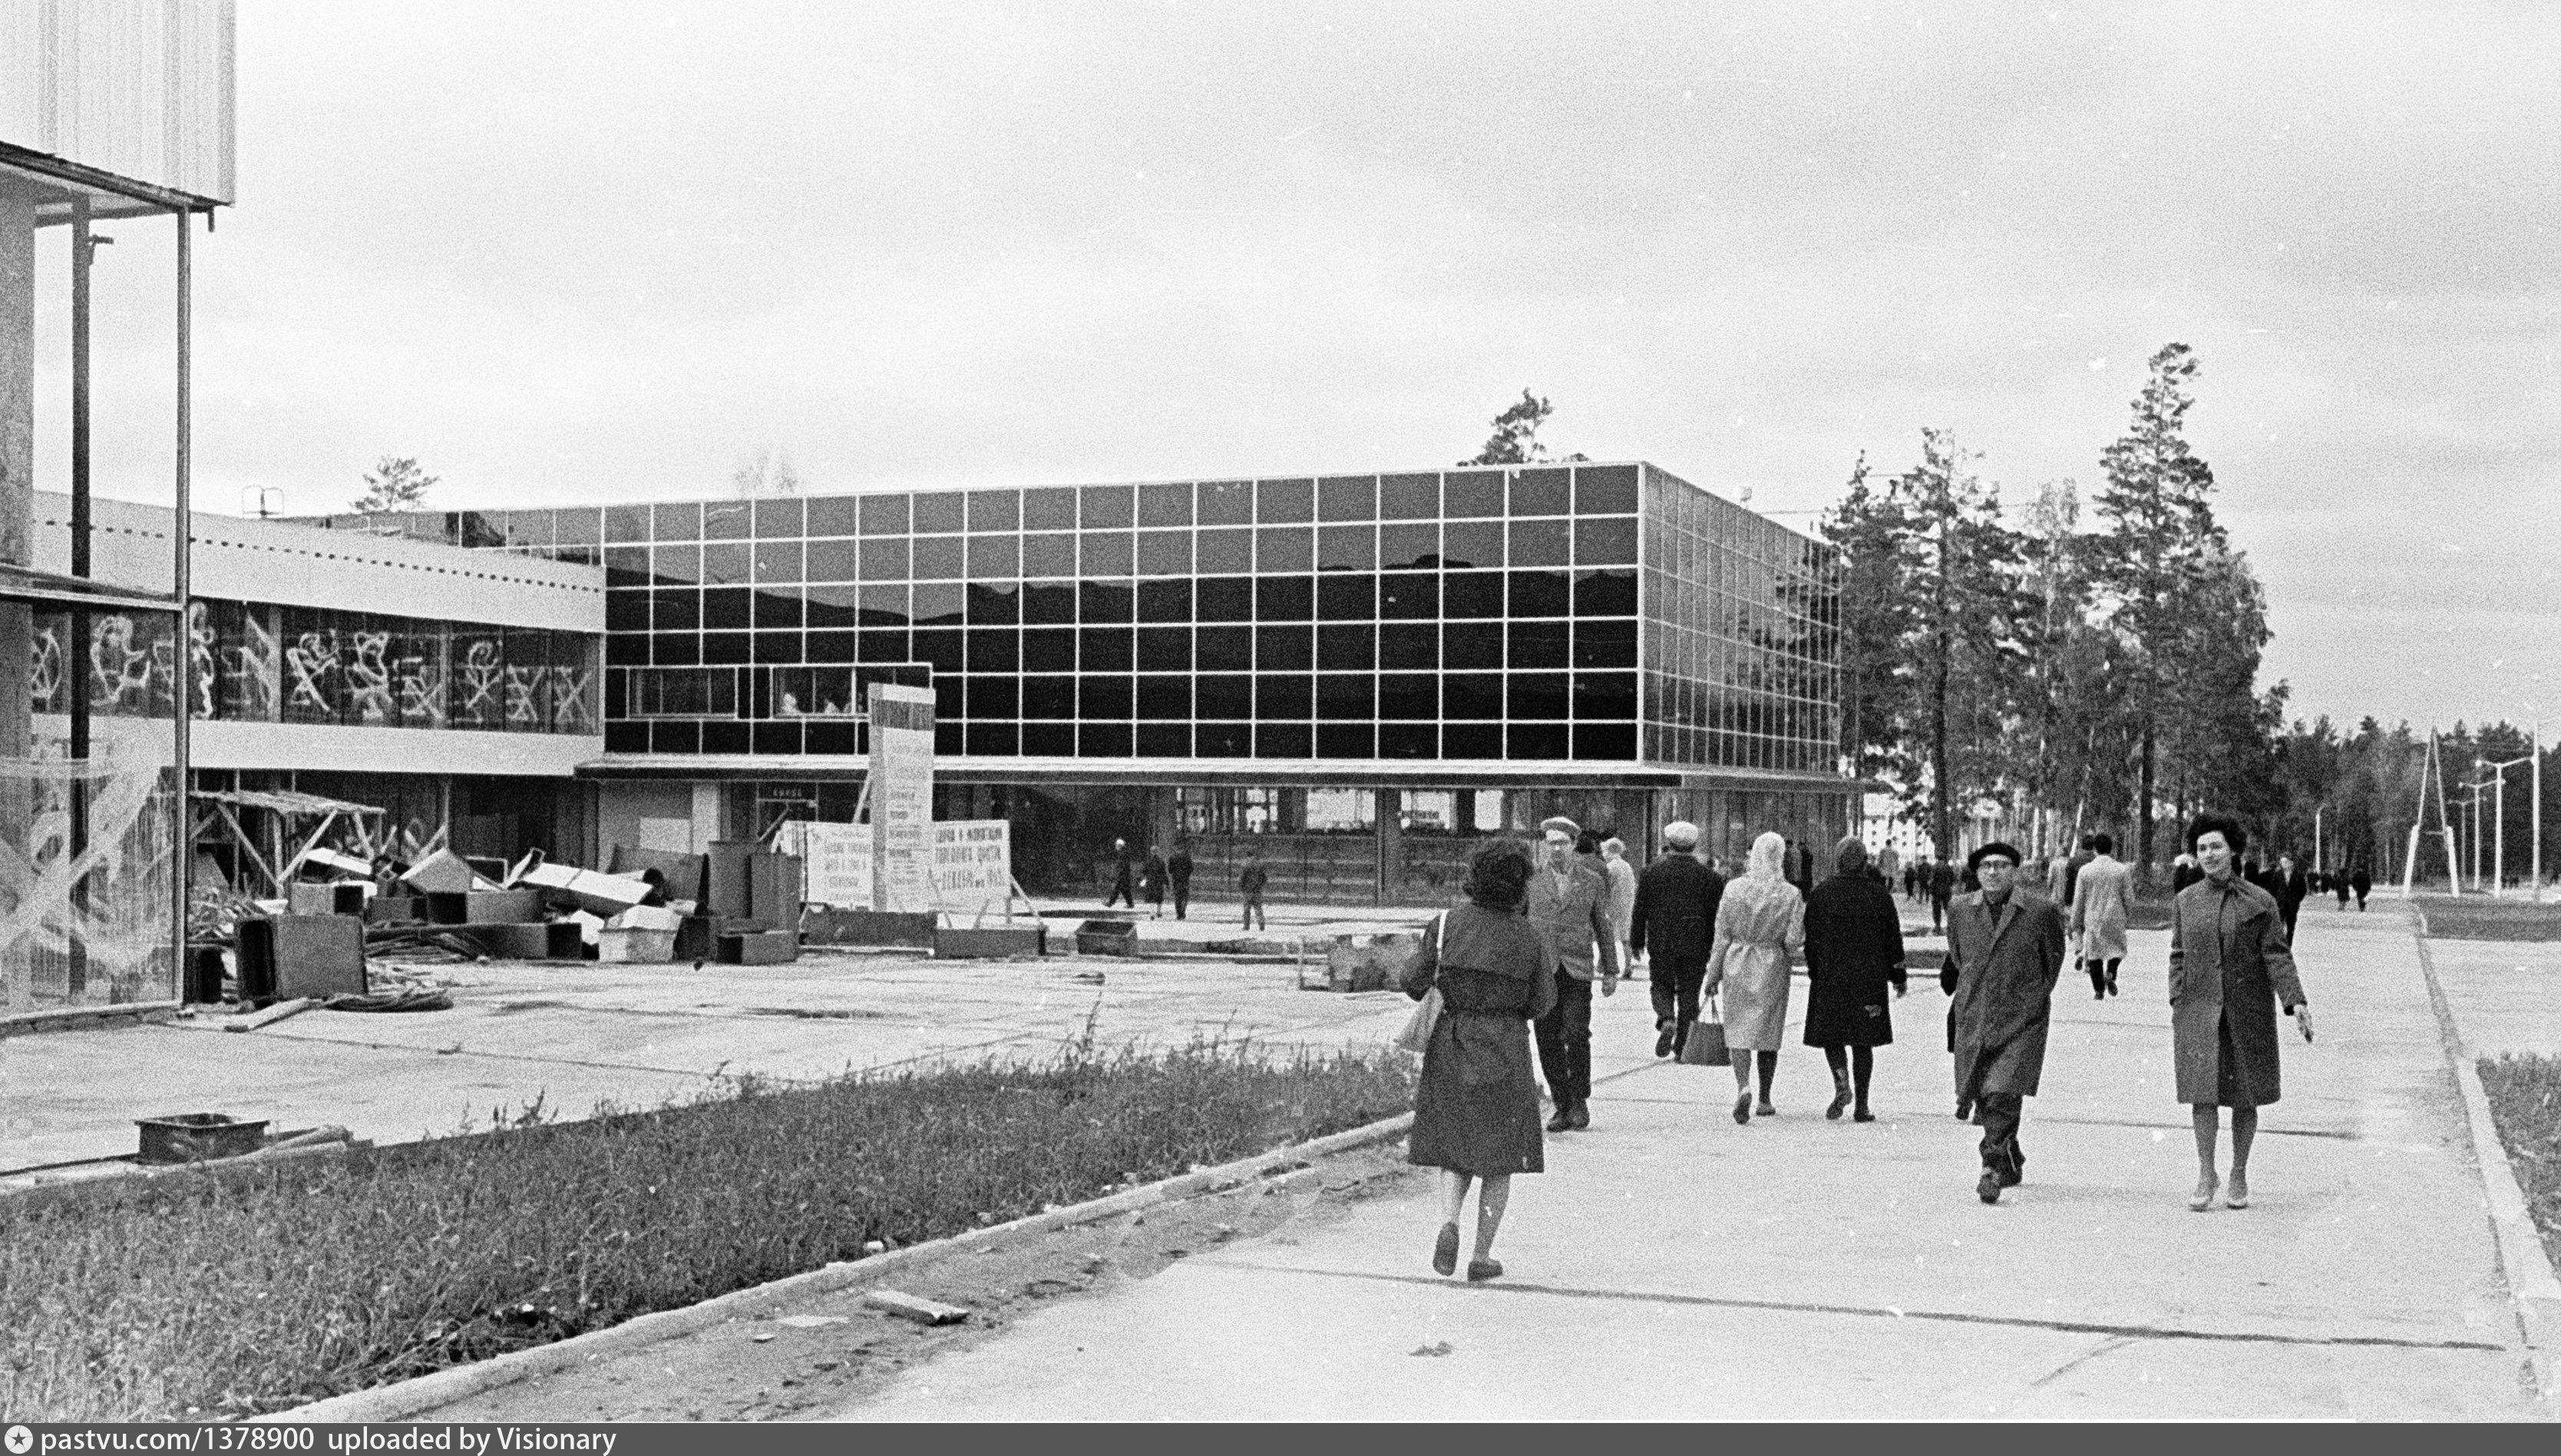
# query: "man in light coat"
[[1623, 896], [1569, 906], [2103, 901], [2006, 948]]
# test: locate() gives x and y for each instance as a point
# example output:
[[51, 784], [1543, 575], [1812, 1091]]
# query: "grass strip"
[[210, 1298], [2525, 1105]]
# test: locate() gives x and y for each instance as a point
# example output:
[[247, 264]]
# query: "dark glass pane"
[[1539, 594], [725, 608], [778, 647], [676, 608], [995, 555], [1604, 695], [1165, 649], [1346, 740], [1048, 603], [1346, 696], [726, 738], [680, 522], [1536, 741], [627, 566], [675, 649], [1409, 545], [1168, 504], [1472, 544], [1051, 508], [1284, 649], [1049, 556], [778, 609], [1049, 649], [1471, 740], [675, 737], [1605, 489], [727, 563], [1285, 548], [1165, 695], [949, 696], [1608, 541], [1605, 594], [1226, 551], [727, 521], [781, 520], [942, 511], [1165, 739], [1049, 740], [1105, 506], [950, 740], [994, 739], [995, 604], [626, 737], [1605, 740], [1347, 598], [1471, 694], [728, 647], [1284, 598], [1604, 643], [1165, 552], [1284, 696], [941, 647], [577, 526], [1408, 645], [833, 647], [884, 646], [1542, 543], [676, 562], [1346, 548], [1346, 647], [996, 696], [1227, 503], [1347, 498], [1537, 696], [1102, 741], [1106, 553], [1105, 649], [1105, 601], [626, 611], [1222, 739], [835, 560], [886, 515], [883, 604], [1225, 695], [937, 604], [995, 510], [1165, 602], [1049, 697], [1224, 599], [1222, 649], [1409, 741], [885, 561], [1409, 497], [1467, 493], [779, 560], [1409, 594], [835, 514], [1471, 594], [940, 559], [1548, 492], [1409, 695], [1102, 699], [1539, 644], [1284, 500], [626, 524]]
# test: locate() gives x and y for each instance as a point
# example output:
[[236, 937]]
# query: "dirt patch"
[[2480, 917], [761, 1368]]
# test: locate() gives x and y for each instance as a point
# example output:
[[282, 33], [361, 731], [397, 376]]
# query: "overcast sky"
[[577, 252]]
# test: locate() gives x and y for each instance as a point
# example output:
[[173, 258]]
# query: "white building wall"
[[140, 89]]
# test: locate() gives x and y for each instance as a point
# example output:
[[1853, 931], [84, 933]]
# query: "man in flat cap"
[[1568, 905], [1673, 926], [2004, 953]]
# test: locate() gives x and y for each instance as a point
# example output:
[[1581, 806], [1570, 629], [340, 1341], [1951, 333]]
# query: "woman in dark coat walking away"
[[1853, 950], [1476, 1110], [2230, 966]]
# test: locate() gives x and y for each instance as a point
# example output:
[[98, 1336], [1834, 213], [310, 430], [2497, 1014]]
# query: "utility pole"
[[2498, 817], [2475, 788]]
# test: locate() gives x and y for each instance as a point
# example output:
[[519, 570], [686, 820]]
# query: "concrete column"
[[1391, 848], [17, 534]]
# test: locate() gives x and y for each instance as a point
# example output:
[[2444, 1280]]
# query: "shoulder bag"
[[1417, 1033], [1706, 1043]]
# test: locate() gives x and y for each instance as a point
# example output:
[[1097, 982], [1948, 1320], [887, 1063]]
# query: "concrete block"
[[682, 873], [868, 927], [485, 907], [759, 948], [288, 956], [341, 899], [991, 941], [559, 941]]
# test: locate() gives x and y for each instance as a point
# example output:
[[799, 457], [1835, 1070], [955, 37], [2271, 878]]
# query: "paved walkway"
[[1671, 1264]]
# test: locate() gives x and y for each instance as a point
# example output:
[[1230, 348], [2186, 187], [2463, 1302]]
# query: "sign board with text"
[[972, 864], [901, 796]]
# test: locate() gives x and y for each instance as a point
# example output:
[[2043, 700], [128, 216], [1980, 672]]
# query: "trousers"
[[1674, 989], [1565, 1042], [2102, 974], [1999, 1114]]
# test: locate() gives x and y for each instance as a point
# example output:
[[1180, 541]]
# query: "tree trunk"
[[2144, 806]]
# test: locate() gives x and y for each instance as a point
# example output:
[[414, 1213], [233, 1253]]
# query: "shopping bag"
[[1416, 1034], [1706, 1043]]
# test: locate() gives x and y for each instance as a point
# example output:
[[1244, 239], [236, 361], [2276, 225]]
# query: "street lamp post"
[[2498, 818], [2472, 810]]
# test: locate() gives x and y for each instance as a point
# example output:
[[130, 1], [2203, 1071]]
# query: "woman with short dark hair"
[[2230, 968], [1853, 951], [1476, 1109]]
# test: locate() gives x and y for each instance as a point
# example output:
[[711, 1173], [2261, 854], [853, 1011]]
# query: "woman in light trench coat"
[[2230, 967], [1759, 921]]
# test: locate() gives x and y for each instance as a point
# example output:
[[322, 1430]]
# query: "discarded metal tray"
[[187, 1137]]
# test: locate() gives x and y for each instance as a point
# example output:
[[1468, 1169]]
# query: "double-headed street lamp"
[[2498, 818]]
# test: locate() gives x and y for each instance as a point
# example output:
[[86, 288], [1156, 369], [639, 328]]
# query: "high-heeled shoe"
[[2204, 1198], [2236, 1191], [1445, 1251]]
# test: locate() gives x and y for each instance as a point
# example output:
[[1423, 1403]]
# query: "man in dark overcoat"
[[2005, 949], [1568, 905], [1675, 924]]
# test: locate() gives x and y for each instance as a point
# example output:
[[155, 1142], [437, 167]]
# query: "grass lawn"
[[2525, 1104], [205, 1297], [2480, 918]]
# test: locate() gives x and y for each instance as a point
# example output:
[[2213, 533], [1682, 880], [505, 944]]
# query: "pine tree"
[[396, 484]]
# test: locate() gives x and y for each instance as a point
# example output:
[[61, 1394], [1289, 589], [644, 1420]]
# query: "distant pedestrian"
[[1248, 883], [1889, 867], [1123, 868], [2231, 966], [1853, 951], [1943, 888], [2004, 954], [2104, 901], [1673, 926], [2361, 883], [2338, 887], [1178, 876], [1759, 924], [2292, 892], [1151, 881], [1475, 1106], [1622, 893], [1567, 903]]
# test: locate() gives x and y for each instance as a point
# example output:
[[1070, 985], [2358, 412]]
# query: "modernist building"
[[1357, 676]]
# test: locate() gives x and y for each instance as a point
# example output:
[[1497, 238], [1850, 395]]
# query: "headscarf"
[[1769, 858]]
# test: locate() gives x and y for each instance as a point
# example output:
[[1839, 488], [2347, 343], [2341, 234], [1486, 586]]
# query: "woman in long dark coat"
[[2230, 966], [1853, 951], [1476, 1111]]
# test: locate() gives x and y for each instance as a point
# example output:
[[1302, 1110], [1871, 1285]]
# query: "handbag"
[[1417, 1031], [1706, 1043]]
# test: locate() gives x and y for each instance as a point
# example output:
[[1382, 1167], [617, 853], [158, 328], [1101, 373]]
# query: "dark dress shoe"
[[1664, 1041], [1743, 1108], [1580, 1118], [1988, 1186], [1445, 1251], [1840, 1104], [1862, 1115], [1481, 1270], [1560, 1122]]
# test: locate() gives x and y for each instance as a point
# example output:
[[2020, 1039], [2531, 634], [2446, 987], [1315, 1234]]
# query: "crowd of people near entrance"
[[1513, 968]]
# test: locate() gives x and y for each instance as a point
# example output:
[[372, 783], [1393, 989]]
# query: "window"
[[695, 692]]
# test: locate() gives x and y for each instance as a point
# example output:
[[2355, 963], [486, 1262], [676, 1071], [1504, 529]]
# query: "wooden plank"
[[273, 1014], [910, 1307]]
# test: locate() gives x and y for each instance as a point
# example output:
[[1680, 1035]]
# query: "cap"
[[1561, 825]]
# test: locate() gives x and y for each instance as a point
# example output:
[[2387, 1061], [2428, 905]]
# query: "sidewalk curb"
[[2522, 1259], [407, 1397]]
